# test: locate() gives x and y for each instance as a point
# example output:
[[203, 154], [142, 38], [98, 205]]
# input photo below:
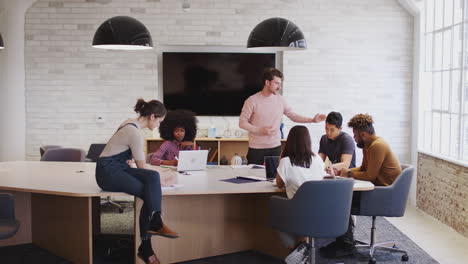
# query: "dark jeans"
[[113, 174], [348, 237], [257, 156]]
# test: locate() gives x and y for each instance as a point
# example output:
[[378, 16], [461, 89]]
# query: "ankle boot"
[[158, 228], [146, 253]]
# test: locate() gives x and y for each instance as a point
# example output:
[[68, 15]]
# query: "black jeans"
[[257, 156], [113, 174]]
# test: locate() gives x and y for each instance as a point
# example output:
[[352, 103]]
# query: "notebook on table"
[[253, 178]]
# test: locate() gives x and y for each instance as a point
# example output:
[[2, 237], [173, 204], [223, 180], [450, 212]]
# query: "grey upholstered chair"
[[64, 154], [388, 201], [8, 224], [319, 209], [148, 157], [43, 149]]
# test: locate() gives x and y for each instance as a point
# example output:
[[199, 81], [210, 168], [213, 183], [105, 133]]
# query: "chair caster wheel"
[[372, 261], [121, 210], [404, 257]]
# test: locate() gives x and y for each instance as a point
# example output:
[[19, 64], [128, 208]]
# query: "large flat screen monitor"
[[212, 84]]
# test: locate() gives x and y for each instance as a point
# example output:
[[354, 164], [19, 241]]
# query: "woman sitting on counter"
[[179, 130], [114, 174]]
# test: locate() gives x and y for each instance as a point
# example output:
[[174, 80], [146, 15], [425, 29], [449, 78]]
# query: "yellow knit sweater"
[[379, 164]]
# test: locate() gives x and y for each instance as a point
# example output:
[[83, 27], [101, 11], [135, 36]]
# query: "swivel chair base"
[[108, 201], [311, 243], [389, 246]]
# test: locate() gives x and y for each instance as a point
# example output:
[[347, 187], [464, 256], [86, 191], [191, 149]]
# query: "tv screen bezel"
[[207, 49]]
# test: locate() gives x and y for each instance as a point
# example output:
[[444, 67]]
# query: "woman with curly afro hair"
[[178, 129]]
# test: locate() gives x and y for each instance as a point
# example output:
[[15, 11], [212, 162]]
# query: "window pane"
[[454, 135], [447, 47], [429, 15], [445, 138], [458, 11], [457, 50], [439, 14], [455, 92], [465, 95], [427, 132], [436, 132], [428, 49], [438, 51], [465, 138], [445, 90], [448, 13], [426, 91], [436, 90]]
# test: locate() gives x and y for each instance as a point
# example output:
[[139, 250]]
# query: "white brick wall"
[[359, 60]]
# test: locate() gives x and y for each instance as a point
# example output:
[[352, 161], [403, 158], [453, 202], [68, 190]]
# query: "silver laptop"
[[192, 160]]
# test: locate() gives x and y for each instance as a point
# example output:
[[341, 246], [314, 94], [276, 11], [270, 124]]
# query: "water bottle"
[[281, 130]]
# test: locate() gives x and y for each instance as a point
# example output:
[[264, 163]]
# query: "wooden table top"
[[78, 179]]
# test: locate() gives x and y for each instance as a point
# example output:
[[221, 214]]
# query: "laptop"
[[271, 164], [192, 160]]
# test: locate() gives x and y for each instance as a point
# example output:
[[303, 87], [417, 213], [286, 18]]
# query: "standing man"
[[379, 166], [261, 117], [337, 145]]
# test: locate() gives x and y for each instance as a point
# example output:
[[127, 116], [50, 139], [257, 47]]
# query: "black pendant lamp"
[[1, 42], [277, 34], [122, 33]]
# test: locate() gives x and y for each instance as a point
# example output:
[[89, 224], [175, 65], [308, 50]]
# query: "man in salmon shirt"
[[261, 117]]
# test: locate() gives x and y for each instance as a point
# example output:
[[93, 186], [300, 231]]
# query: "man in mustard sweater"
[[379, 166]]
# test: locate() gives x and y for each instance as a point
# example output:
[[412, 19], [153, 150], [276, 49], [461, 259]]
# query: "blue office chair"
[[319, 209], [388, 201], [8, 224], [64, 154]]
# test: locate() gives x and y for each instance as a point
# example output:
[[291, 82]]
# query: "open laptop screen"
[[190, 160]]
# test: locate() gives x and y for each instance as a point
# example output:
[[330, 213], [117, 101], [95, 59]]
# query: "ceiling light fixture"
[[277, 34], [122, 33]]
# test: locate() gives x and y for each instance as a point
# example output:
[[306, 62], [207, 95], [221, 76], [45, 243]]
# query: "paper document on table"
[[174, 186], [255, 178], [239, 166]]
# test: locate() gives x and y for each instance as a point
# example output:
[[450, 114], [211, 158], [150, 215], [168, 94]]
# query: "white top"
[[294, 176], [127, 137]]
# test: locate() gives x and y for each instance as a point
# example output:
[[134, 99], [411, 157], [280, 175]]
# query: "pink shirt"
[[265, 111]]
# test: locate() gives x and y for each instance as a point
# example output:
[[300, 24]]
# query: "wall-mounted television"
[[212, 83]]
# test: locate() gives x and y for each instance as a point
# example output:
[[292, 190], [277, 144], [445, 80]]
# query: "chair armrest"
[[7, 207]]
